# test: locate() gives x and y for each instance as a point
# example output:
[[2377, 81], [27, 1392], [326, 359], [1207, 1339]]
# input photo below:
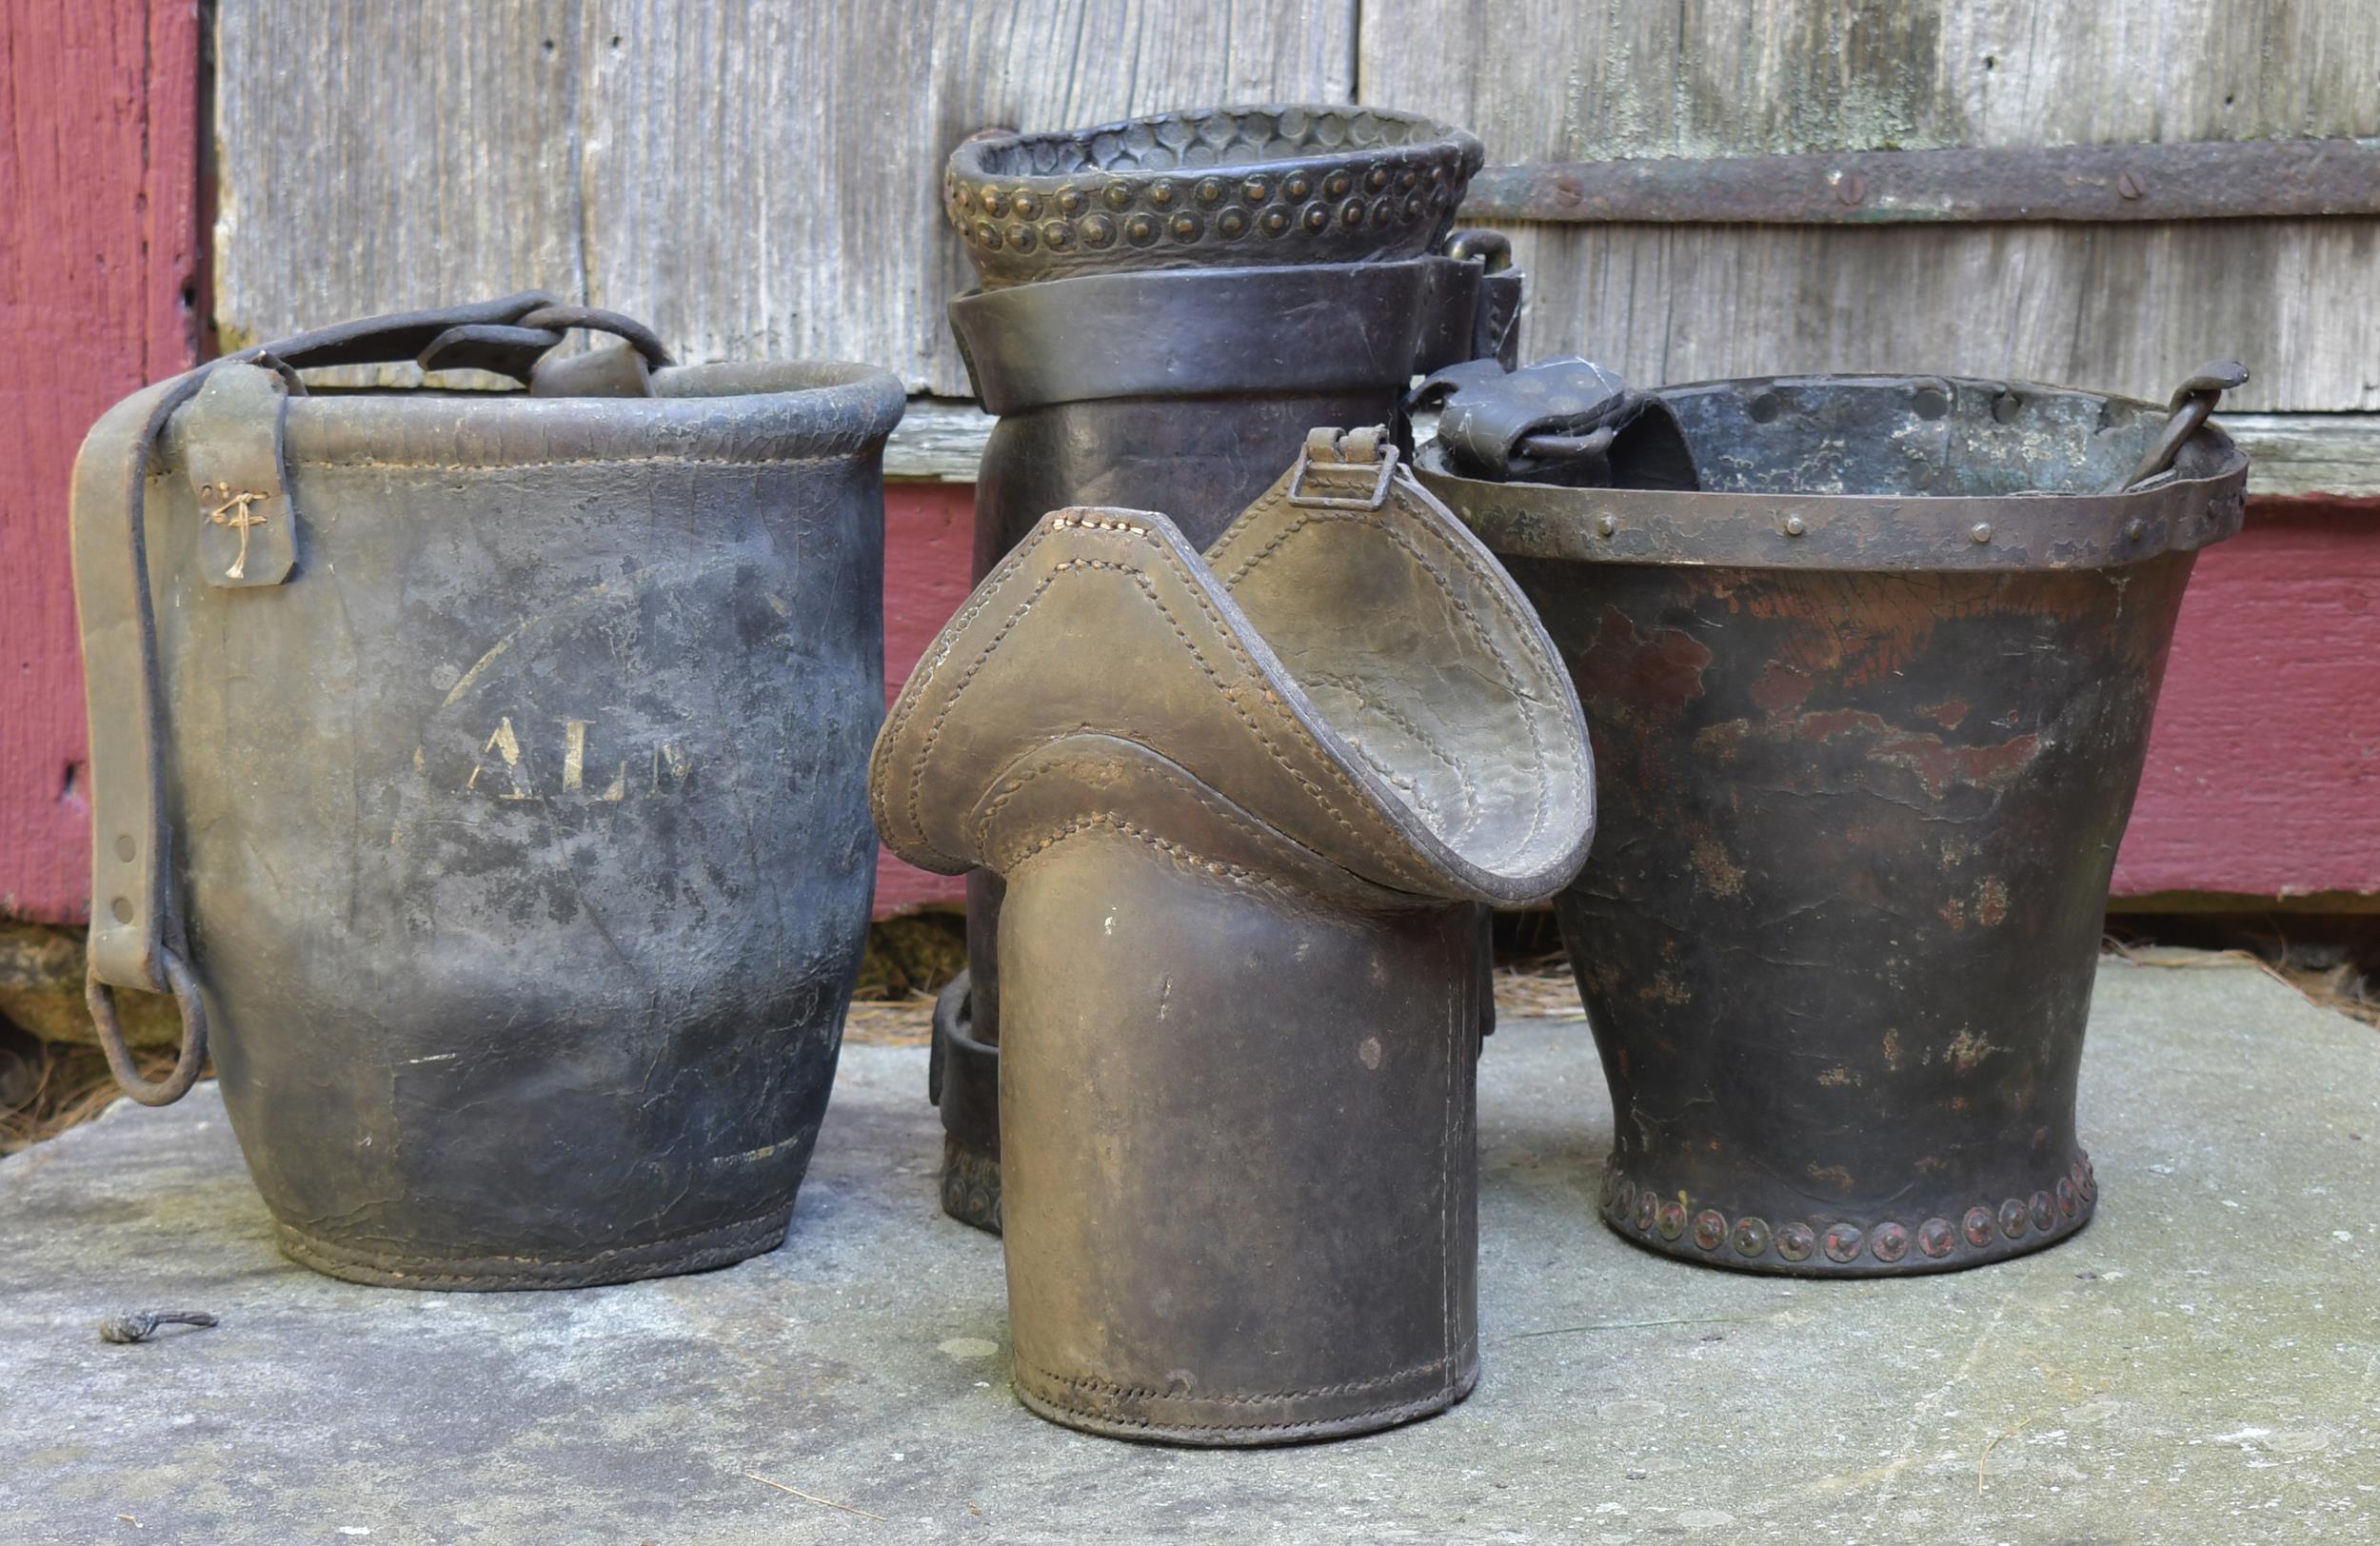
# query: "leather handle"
[[137, 937]]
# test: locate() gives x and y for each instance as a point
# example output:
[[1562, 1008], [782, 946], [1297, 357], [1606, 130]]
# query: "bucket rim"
[[769, 411], [2200, 502]]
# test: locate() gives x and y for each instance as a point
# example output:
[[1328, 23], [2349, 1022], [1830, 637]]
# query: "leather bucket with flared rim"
[[1167, 304], [1244, 834], [1870, 710], [487, 770]]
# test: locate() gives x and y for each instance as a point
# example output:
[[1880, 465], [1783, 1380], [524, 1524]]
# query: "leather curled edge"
[[1345, 690]]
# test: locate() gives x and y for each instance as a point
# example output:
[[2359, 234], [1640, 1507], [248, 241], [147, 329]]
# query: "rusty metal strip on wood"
[[2217, 180]]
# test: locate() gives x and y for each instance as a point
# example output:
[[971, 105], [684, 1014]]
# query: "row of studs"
[[1888, 1242], [1188, 136], [1386, 196]]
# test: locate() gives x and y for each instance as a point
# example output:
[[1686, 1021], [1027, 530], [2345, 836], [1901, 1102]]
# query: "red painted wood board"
[[99, 246], [929, 545], [2264, 770]]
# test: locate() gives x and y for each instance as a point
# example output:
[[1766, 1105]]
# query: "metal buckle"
[[1326, 502]]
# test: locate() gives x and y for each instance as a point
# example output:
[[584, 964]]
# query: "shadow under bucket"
[[1870, 710]]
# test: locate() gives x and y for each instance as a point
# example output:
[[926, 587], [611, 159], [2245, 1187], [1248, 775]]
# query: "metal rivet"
[[1978, 1224], [125, 848], [1842, 1243], [1796, 526], [2130, 187], [1710, 1229], [1751, 1237], [2134, 530], [2013, 1218], [1852, 187], [2068, 1200], [1673, 1219], [1980, 531], [1604, 526], [1795, 1242], [1889, 1243], [1627, 1199], [2044, 1210], [1935, 1236]]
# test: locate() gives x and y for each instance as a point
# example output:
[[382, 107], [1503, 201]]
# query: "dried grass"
[[75, 1086]]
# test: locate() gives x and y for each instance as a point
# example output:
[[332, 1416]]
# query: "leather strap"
[[137, 937], [1566, 421], [1197, 331]]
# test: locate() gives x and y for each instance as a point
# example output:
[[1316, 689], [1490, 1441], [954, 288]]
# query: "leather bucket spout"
[[487, 769], [1870, 704], [1168, 303], [1246, 803]]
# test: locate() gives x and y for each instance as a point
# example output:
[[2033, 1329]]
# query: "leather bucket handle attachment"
[[137, 938]]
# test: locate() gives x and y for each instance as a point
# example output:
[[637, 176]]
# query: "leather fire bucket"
[[1247, 804], [487, 770], [1167, 304], [1870, 710]]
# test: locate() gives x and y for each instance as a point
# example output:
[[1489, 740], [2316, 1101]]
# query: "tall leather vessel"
[[487, 768], [1870, 710], [1168, 304], [1243, 840]]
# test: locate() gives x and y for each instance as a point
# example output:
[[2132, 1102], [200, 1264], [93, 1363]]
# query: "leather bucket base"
[[1777, 1231], [718, 1247], [1223, 1424]]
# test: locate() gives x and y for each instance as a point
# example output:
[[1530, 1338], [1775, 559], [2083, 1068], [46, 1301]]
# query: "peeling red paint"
[[1948, 714], [1937, 765], [1991, 903], [1660, 675]]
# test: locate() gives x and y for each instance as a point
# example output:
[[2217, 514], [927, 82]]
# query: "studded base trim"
[[971, 1185], [487, 1275], [1847, 1244]]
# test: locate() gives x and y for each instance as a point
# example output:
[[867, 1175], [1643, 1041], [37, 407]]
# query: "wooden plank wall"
[[2131, 308], [98, 258], [760, 177]]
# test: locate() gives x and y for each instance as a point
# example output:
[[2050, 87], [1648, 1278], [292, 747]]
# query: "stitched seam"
[[1338, 774], [1148, 590], [732, 1240], [1185, 856], [1407, 724], [1098, 1386], [538, 465], [1512, 678]]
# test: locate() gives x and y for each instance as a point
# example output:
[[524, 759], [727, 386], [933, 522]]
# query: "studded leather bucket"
[[1167, 304], [1871, 670], [487, 769], [1246, 803]]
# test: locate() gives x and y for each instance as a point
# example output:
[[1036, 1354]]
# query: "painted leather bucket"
[[1868, 710], [1168, 304], [487, 768]]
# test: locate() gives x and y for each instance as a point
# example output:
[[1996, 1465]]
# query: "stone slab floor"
[[2202, 1364]]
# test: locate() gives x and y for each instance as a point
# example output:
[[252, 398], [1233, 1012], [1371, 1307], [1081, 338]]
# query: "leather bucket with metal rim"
[[487, 768], [1168, 304], [1869, 710], [1244, 840]]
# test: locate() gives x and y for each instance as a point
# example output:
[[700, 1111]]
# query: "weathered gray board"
[[754, 177], [2114, 307], [763, 176]]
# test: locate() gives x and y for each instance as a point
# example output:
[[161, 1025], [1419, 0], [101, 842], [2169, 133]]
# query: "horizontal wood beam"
[[2207, 180], [941, 440]]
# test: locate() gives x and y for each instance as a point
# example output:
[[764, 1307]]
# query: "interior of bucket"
[[1941, 435]]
